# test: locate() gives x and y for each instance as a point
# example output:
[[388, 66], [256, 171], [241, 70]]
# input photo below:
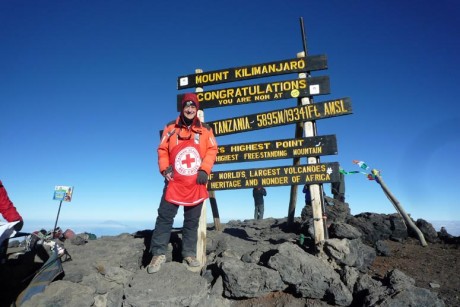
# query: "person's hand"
[[202, 177], [18, 226], [168, 173]]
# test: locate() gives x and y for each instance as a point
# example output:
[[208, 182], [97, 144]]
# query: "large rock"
[[309, 276], [428, 230], [338, 212], [246, 280], [401, 291], [373, 226], [343, 231], [398, 228], [350, 253]]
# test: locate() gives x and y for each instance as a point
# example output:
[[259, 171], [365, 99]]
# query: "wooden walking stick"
[[398, 207]]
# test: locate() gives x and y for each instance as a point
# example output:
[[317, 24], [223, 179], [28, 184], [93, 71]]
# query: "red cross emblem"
[[188, 160]]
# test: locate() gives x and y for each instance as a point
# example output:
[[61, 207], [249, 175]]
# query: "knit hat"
[[192, 98]]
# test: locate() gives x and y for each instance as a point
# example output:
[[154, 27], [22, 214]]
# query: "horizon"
[[113, 228]]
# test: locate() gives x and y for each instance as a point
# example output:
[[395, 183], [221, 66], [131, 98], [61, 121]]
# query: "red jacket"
[[175, 131], [7, 208]]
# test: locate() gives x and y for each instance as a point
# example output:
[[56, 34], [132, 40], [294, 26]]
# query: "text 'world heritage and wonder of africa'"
[[274, 176]]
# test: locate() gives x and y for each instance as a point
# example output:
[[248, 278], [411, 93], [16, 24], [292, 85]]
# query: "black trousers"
[[165, 219]]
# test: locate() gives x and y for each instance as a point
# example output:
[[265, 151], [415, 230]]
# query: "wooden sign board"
[[314, 111], [278, 149], [261, 92], [274, 176], [282, 67]]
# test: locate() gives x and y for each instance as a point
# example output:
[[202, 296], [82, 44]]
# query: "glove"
[[18, 226], [202, 177], [168, 173]]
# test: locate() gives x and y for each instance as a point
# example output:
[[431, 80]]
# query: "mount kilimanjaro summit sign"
[[303, 64]]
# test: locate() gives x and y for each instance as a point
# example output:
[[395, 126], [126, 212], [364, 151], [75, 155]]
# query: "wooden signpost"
[[306, 113]]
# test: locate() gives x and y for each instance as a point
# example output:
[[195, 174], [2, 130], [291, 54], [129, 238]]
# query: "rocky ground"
[[110, 271], [435, 267]]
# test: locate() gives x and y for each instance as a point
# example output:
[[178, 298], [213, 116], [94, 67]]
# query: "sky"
[[86, 86]]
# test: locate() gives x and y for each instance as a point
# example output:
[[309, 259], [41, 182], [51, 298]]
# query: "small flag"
[[361, 164]]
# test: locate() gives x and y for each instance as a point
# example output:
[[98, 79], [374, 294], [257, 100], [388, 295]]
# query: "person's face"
[[190, 111]]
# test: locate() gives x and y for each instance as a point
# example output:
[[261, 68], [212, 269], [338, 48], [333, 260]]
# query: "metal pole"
[[316, 191], [298, 134], [57, 217], [304, 40]]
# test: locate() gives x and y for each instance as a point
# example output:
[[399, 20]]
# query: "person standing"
[[338, 188], [10, 214], [307, 210], [186, 155], [8, 210], [258, 193], [306, 190]]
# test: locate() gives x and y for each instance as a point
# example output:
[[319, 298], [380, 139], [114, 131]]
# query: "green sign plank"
[[262, 92], [314, 111], [278, 149], [310, 63], [274, 176]]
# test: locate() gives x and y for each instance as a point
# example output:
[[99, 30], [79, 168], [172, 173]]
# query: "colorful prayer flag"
[[361, 164]]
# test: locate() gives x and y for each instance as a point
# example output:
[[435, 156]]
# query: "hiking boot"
[[191, 261], [156, 263]]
